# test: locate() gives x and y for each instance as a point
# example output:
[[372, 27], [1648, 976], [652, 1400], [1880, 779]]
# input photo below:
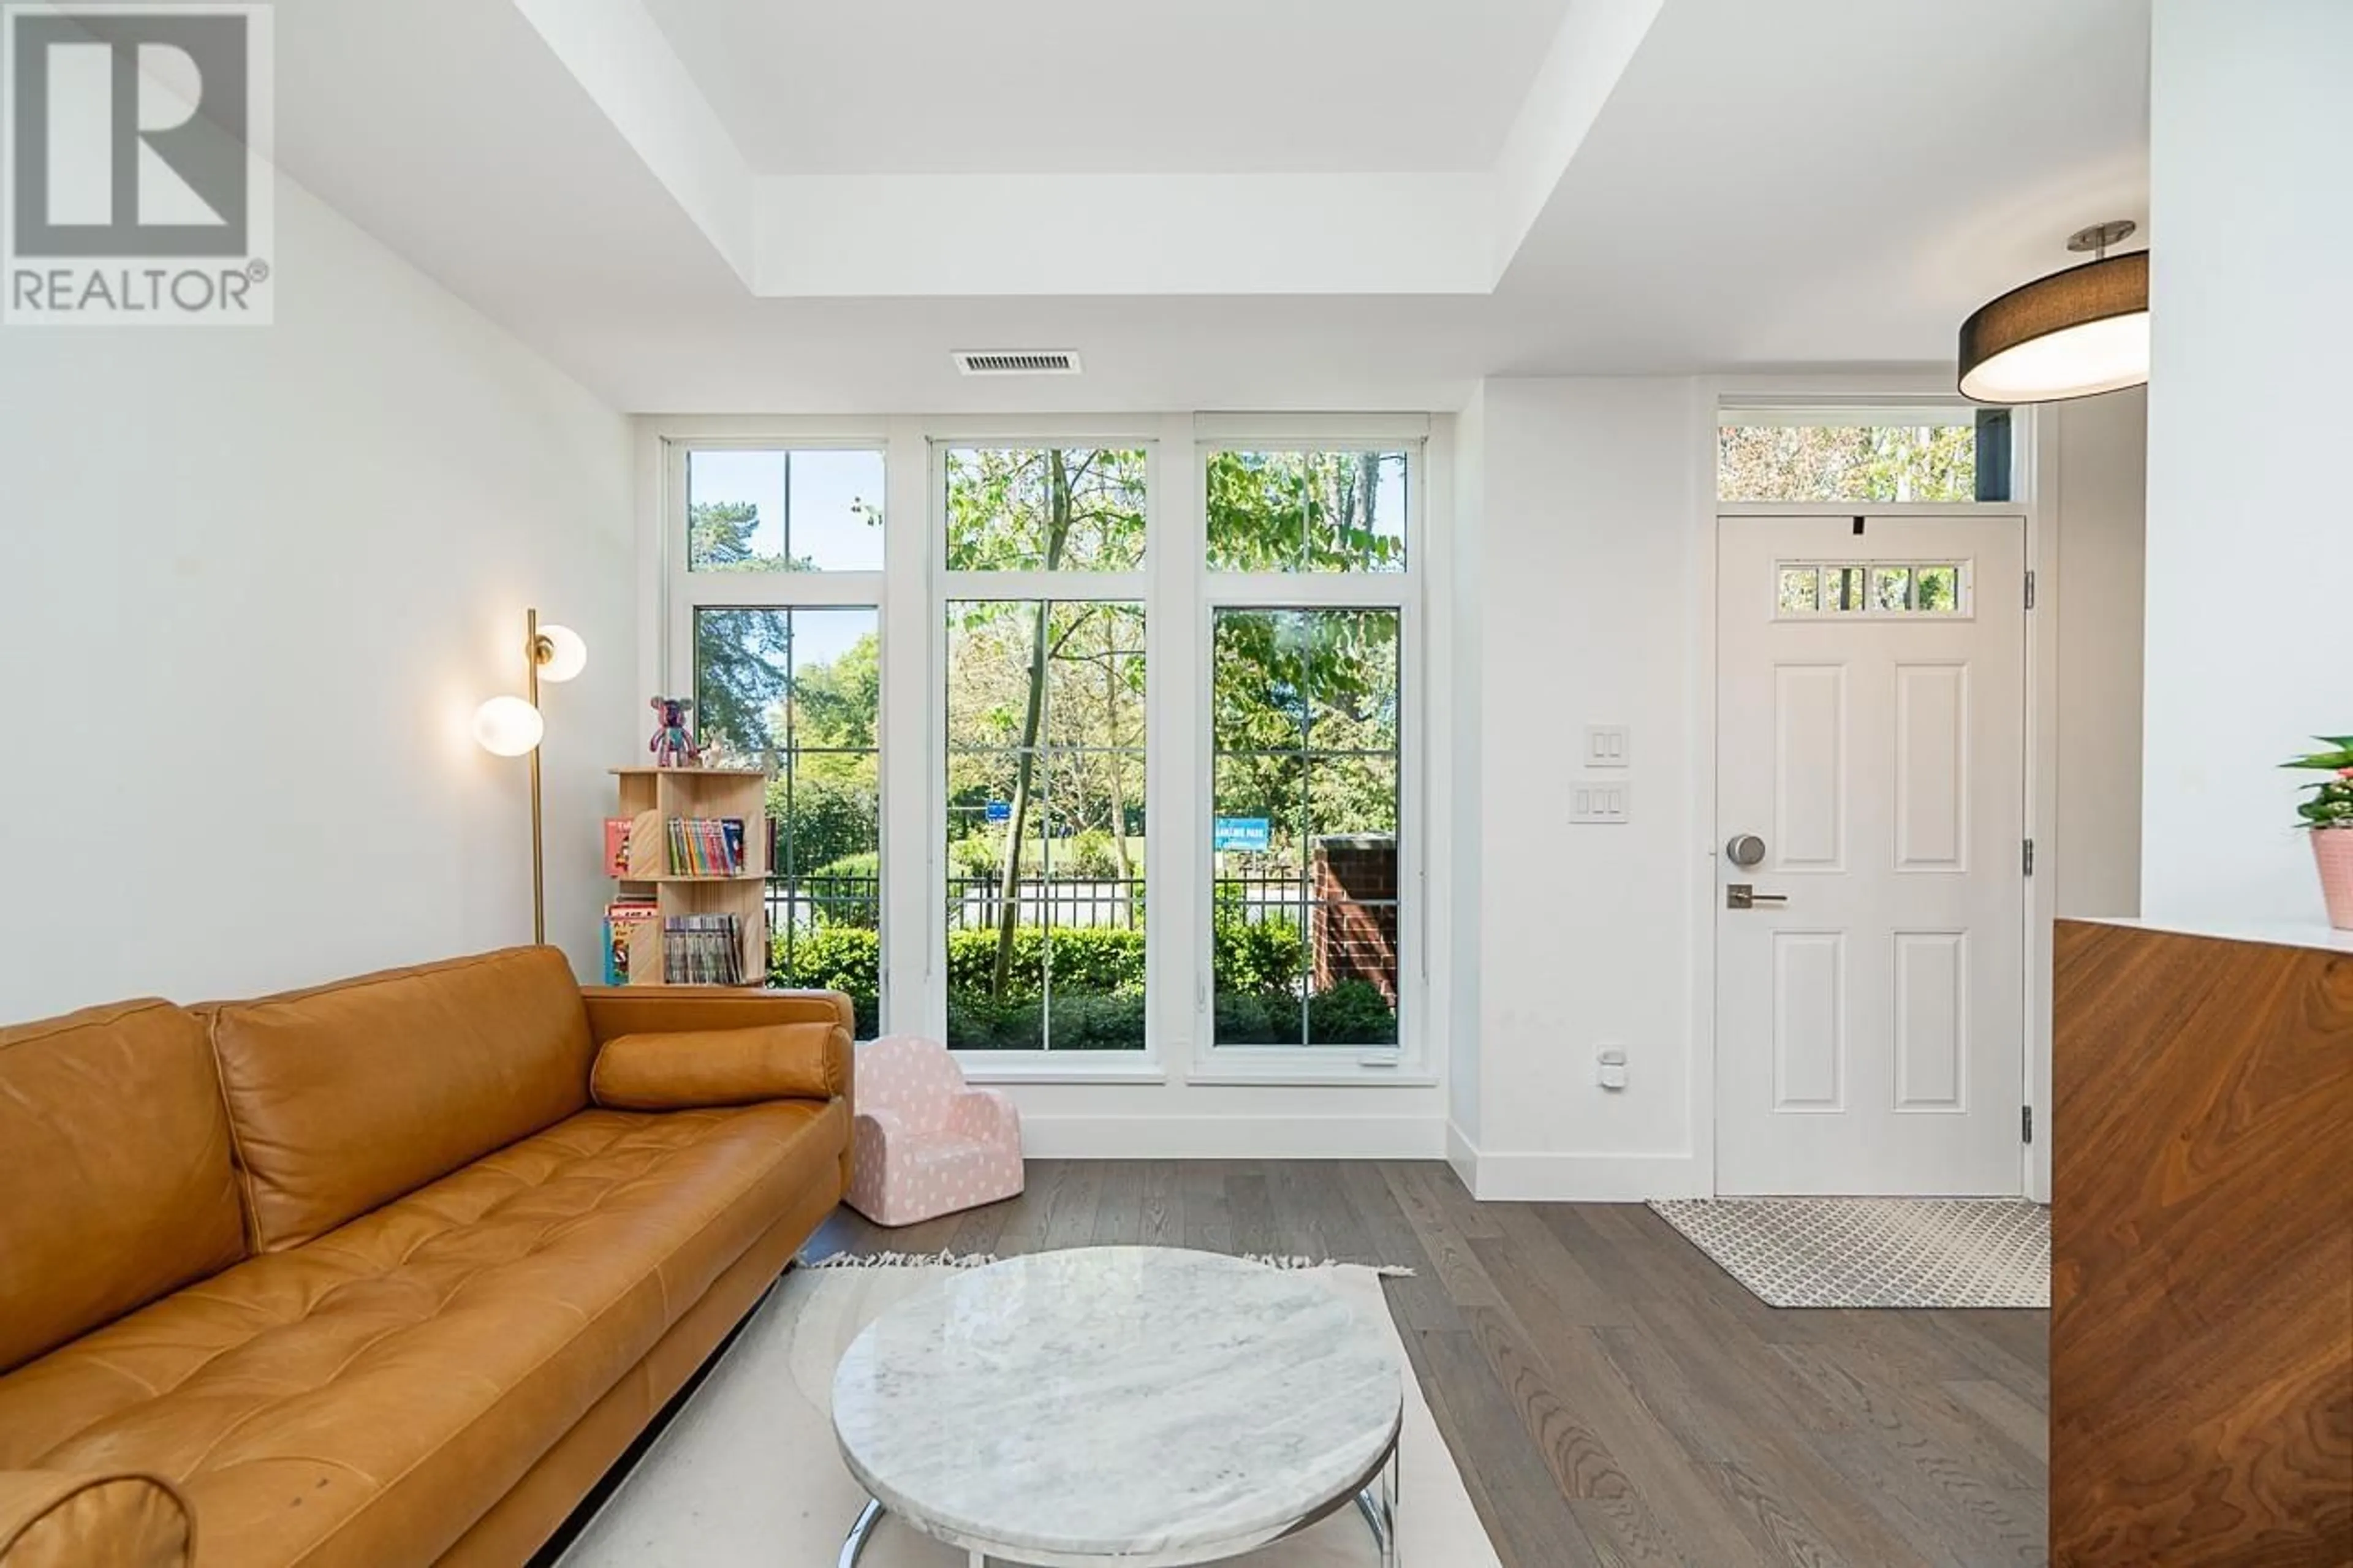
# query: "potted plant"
[[2329, 815]]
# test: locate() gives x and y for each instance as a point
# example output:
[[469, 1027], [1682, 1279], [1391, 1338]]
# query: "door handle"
[[1741, 895]]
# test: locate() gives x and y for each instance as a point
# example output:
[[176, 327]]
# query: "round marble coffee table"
[[1129, 1405]]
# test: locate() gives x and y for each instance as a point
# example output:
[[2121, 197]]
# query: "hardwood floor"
[[1611, 1397]]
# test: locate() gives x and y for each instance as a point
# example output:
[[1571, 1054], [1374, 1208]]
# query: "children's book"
[[622, 918]]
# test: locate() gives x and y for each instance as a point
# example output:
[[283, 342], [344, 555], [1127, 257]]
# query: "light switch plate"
[[1598, 801], [1608, 746]]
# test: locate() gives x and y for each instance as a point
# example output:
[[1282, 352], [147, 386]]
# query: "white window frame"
[[1409, 1060], [1180, 595], [687, 591], [1128, 587]]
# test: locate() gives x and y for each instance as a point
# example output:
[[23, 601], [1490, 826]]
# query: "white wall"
[[2250, 547], [252, 584], [1463, 959], [2097, 453], [1585, 615], [1580, 563]]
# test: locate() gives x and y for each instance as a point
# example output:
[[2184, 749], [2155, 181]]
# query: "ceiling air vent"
[[1017, 362]]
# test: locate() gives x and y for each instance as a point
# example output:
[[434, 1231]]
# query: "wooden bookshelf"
[[654, 798]]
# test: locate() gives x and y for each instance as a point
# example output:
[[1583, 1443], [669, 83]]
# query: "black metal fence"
[[974, 902], [798, 903]]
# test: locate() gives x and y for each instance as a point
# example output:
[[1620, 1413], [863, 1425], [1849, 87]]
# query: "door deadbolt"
[[1745, 849]]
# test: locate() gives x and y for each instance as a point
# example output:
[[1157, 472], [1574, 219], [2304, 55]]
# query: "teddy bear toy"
[[673, 743]]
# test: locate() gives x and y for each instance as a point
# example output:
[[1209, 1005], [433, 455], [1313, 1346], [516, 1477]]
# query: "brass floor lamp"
[[513, 727]]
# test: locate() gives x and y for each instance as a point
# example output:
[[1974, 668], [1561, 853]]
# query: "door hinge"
[[2027, 859], [2030, 590], [2026, 1124]]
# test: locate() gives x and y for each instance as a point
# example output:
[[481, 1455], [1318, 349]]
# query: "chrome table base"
[[1378, 1504], [853, 1545], [1378, 1501]]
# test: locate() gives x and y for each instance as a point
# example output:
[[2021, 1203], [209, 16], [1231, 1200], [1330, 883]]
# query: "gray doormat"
[[1874, 1252]]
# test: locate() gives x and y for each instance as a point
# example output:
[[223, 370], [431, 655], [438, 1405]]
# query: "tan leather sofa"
[[361, 1275]]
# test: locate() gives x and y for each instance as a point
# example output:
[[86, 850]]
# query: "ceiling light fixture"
[[2073, 335]]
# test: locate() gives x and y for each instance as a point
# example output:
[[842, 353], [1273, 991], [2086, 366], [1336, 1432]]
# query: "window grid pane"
[[1288, 512], [1304, 908], [800, 689], [1849, 459], [1051, 508], [1045, 824], [783, 511], [1877, 590]]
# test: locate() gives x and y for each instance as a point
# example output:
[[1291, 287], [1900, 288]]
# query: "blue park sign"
[[1241, 833]]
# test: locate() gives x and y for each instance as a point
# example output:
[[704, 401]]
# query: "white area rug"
[[748, 1473], [1874, 1252]]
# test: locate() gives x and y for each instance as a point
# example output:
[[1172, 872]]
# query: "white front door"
[[1870, 746]]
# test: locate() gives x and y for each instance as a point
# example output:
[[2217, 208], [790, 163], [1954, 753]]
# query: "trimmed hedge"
[[1258, 958], [1353, 1013], [1098, 987], [1105, 959], [834, 958], [1081, 1023]]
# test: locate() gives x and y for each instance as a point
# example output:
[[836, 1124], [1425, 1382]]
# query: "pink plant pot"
[[2332, 851]]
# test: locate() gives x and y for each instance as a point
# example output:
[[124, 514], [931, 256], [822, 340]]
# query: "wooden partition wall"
[[2201, 1329]]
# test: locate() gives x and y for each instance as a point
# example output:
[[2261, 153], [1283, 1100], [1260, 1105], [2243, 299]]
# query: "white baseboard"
[[1463, 1156], [1233, 1137], [1584, 1178]]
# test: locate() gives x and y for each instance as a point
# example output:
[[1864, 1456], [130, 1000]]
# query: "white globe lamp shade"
[[508, 726], [567, 656]]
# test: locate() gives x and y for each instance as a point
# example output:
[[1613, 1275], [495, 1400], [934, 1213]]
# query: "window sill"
[[1231, 1066], [987, 1071]]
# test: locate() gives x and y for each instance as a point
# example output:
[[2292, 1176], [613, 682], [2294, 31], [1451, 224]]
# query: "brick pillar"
[[1355, 933]]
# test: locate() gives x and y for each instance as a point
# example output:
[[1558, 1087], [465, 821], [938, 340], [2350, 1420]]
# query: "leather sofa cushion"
[[348, 1096], [116, 1185], [51, 1519], [716, 1067], [363, 1399]]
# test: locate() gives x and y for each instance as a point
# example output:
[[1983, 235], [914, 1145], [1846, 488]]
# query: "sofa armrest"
[[62, 1518], [984, 1115], [882, 1118], [618, 1010]]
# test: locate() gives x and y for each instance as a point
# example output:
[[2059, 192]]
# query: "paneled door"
[[1870, 895]]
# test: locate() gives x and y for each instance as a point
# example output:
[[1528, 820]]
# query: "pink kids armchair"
[[924, 1144]]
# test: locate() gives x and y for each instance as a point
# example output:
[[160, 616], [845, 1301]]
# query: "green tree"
[[1847, 462], [1061, 516], [1045, 509], [742, 664], [1288, 512], [828, 804], [835, 705], [1306, 722], [719, 539]]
